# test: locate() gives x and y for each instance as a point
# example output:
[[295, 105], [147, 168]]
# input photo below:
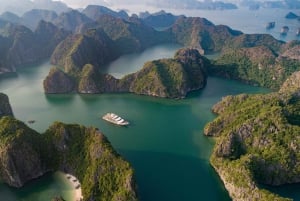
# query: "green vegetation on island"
[[259, 65], [20, 46], [81, 151], [257, 142], [170, 78]]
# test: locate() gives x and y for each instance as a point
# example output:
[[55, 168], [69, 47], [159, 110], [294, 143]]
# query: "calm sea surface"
[[164, 143]]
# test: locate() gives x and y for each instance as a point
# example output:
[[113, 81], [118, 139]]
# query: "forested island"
[[257, 140], [78, 150]]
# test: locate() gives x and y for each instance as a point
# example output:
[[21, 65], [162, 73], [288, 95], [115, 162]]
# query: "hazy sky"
[[84, 3], [21, 6]]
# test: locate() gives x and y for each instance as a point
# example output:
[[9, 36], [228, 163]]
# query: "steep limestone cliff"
[[292, 84], [5, 108], [22, 153], [58, 82], [259, 65], [257, 142], [81, 151], [170, 78]]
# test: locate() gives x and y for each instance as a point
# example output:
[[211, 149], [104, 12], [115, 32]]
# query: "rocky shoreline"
[[257, 142], [77, 150]]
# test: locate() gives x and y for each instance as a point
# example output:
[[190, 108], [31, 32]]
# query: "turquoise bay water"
[[164, 143]]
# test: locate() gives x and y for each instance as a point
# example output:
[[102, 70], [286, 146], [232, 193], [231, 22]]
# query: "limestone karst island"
[[126, 101]]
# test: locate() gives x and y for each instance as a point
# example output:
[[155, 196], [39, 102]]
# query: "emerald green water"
[[164, 142]]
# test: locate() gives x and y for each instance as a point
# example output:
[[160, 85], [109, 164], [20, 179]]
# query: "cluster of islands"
[[257, 136]]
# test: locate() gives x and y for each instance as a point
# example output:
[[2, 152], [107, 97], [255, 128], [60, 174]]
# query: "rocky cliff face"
[[292, 84], [32, 18], [86, 153], [81, 151], [259, 65], [58, 82], [103, 40], [21, 153], [160, 19], [258, 137], [171, 78], [71, 20], [255, 40], [200, 33], [291, 50], [95, 12], [74, 52], [22, 47], [5, 108]]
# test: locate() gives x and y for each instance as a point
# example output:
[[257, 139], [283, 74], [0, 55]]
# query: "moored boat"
[[115, 119]]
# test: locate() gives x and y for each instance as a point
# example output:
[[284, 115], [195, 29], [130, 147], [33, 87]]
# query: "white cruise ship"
[[115, 119]]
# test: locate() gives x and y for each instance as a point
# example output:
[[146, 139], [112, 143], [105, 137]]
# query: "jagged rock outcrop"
[[10, 17], [71, 20], [292, 84], [20, 46], [259, 65], [83, 152], [95, 12], [22, 153], [202, 34], [257, 142], [130, 35], [255, 40], [75, 51], [86, 153], [32, 18], [5, 108], [291, 15], [91, 81], [170, 78], [47, 37], [58, 82], [160, 19], [291, 50]]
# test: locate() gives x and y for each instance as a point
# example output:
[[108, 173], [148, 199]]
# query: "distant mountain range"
[[80, 43], [20, 7], [98, 35], [286, 4]]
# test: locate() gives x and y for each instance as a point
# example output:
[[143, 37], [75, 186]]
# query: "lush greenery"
[[86, 153], [256, 65], [257, 143], [83, 152], [171, 78], [200, 33], [20, 46]]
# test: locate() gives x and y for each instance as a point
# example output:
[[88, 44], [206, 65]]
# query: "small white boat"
[[115, 119]]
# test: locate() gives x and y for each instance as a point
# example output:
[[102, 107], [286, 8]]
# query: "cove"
[[164, 142]]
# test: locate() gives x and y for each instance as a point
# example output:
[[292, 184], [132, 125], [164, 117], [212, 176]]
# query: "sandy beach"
[[76, 185]]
